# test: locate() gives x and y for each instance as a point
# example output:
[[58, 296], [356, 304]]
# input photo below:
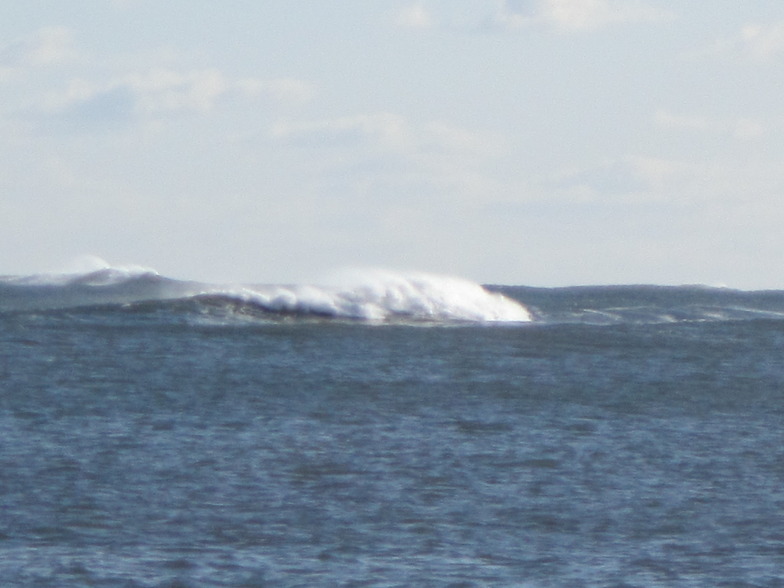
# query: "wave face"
[[370, 295]]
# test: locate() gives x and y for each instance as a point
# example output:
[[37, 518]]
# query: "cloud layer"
[[577, 15], [517, 141]]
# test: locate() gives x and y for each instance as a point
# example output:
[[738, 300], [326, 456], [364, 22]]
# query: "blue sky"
[[541, 142]]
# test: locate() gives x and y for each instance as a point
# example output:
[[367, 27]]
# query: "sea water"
[[408, 430]]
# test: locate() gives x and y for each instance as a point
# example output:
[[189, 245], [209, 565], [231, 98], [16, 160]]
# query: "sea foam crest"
[[87, 270], [378, 295]]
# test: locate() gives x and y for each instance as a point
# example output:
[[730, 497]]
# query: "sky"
[[536, 142]]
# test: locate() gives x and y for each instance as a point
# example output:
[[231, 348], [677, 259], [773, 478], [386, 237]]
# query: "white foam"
[[378, 295], [87, 270]]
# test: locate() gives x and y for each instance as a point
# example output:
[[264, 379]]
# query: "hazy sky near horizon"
[[539, 142]]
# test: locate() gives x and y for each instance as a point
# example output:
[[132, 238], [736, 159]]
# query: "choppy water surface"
[[203, 442]]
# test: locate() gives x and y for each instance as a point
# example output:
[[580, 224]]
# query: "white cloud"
[[382, 129], [657, 172], [754, 42], [415, 17], [761, 41], [395, 155], [159, 92], [630, 179], [390, 132], [743, 128], [748, 128], [688, 122], [47, 46], [455, 138], [577, 15], [284, 89], [51, 45]]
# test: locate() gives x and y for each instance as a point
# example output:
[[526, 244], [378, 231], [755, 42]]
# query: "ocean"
[[386, 430]]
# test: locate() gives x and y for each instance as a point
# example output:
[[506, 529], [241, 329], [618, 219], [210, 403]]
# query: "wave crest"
[[377, 295]]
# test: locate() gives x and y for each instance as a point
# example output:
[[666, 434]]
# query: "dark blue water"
[[624, 437]]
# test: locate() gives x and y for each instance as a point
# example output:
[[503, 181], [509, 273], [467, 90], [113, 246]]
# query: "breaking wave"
[[369, 295]]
